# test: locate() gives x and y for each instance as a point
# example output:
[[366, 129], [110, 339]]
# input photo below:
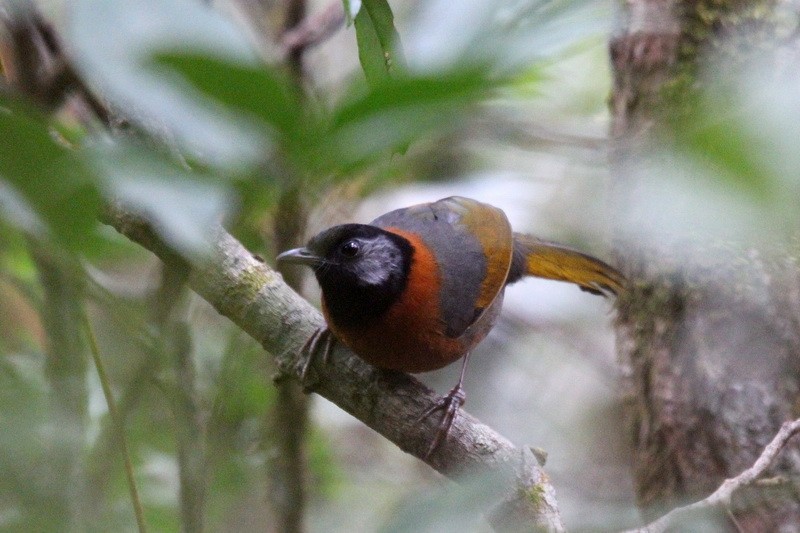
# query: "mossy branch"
[[254, 297]]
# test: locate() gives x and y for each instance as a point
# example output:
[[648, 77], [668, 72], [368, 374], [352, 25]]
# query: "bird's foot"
[[321, 338], [450, 405]]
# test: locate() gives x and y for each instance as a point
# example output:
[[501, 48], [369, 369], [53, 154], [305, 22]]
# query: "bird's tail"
[[543, 259]]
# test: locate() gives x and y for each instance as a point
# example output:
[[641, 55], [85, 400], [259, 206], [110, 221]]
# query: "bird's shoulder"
[[472, 243]]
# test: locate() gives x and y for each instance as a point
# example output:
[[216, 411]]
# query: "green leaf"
[[113, 44], [379, 49], [407, 92], [370, 52], [23, 450], [368, 125], [733, 150], [721, 130], [50, 185], [259, 91], [184, 207], [401, 110]]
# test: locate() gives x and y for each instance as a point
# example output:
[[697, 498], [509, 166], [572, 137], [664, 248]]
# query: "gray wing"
[[452, 229]]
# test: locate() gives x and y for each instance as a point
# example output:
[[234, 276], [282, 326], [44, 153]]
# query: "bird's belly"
[[413, 341], [395, 348], [409, 338]]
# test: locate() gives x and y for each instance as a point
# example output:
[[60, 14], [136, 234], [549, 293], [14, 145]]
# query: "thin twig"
[[314, 29], [724, 494], [118, 423]]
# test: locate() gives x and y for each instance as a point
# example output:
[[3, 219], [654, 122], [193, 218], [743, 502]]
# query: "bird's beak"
[[301, 256]]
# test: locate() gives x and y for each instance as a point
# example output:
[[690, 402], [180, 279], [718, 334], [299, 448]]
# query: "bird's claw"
[[450, 404], [322, 336]]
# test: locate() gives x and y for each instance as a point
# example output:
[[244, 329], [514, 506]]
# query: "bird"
[[419, 287]]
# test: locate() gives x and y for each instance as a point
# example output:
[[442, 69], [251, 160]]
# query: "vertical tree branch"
[[189, 427], [292, 404], [295, 13], [65, 368], [290, 422], [190, 432]]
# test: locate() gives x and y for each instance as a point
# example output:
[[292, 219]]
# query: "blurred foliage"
[[727, 172], [210, 133], [42, 177]]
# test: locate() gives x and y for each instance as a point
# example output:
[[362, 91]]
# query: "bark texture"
[[708, 334]]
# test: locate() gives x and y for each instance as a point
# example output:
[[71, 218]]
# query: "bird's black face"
[[362, 270], [358, 254]]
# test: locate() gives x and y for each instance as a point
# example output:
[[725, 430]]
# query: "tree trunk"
[[708, 337]]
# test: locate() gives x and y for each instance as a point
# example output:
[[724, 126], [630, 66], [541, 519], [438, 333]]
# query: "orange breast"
[[410, 336]]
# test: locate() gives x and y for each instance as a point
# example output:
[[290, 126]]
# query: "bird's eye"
[[350, 248]]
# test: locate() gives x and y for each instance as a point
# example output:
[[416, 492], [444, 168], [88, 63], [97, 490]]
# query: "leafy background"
[[504, 101]]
